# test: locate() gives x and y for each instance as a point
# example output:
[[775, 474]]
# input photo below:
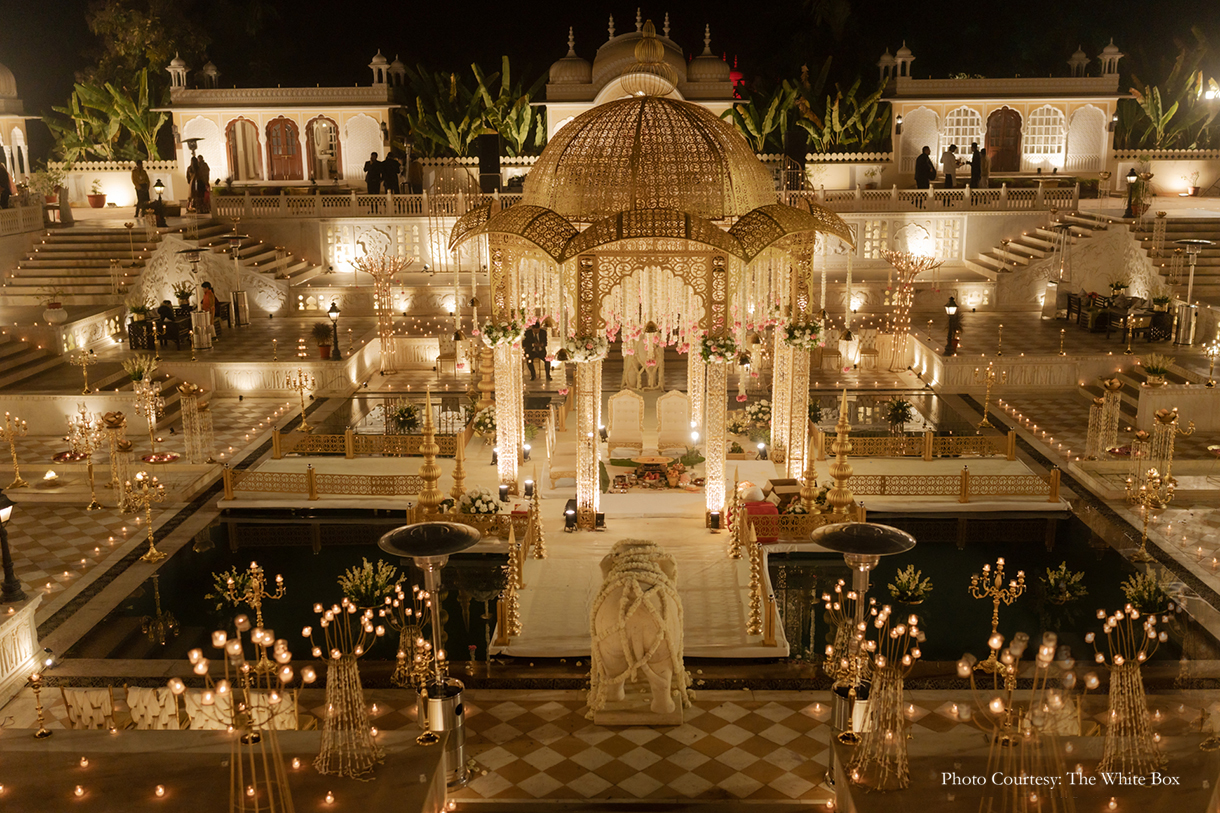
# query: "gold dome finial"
[[650, 75]]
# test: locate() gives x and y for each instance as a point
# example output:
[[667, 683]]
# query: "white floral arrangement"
[[737, 426], [795, 507], [804, 335], [479, 501], [759, 412], [586, 348], [508, 332], [718, 348], [485, 421]]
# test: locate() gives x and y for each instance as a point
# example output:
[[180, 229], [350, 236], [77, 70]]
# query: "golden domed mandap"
[[648, 217]]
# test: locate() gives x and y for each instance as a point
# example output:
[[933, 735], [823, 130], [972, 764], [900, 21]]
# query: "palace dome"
[[707, 67], [571, 70], [618, 54], [8, 83], [648, 152]]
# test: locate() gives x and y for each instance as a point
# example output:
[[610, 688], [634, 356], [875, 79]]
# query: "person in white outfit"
[[948, 165]]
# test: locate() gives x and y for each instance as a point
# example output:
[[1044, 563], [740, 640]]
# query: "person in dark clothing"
[[372, 175], [925, 170], [535, 349], [6, 187], [415, 175], [166, 311], [976, 165], [389, 174]]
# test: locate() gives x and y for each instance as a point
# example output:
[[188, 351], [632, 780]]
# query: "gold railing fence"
[[351, 445], [928, 446]]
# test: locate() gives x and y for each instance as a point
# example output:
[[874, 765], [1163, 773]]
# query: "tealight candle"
[[79, 791], [330, 798], [159, 790], [84, 762]]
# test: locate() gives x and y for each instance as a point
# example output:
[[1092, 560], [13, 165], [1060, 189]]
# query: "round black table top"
[[867, 538], [425, 539]]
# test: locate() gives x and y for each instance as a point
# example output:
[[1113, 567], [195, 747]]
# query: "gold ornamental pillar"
[[509, 412], [781, 395], [798, 412], [429, 496], [588, 491], [840, 497], [696, 386], [715, 406]]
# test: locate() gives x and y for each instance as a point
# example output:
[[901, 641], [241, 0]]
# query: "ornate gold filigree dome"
[[648, 153]]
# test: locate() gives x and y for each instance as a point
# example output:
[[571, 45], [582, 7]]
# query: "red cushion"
[[764, 508]]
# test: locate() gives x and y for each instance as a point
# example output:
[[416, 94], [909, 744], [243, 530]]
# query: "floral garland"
[[718, 348], [485, 421], [759, 412], [507, 332], [479, 501], [586, 348], [804, 335]]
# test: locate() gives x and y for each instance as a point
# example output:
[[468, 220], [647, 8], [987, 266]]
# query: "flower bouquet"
[[509, 331], [586, 348], [803, 335], [718, 348], [759, 412], [485, 421], [479, 501]]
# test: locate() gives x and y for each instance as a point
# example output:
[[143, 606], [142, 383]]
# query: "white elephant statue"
[[636, 624]]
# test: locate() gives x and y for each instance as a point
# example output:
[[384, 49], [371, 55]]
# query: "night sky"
[[44, 41]]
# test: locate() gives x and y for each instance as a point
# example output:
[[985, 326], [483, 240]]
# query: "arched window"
[[962, 126], [283, 150], [1043, 139], [245, 154], [919, 130], [1086, 140], [322, 144]]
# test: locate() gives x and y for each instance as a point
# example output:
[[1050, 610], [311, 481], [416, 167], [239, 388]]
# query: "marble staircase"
[[1034, 244], [1207, 266]]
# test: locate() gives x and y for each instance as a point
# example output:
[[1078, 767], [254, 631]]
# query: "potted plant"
[[1160, 303], [485, 422], [404, 417], [139, 308], [183, 292], [47, 182], [909, 587], [1118, 286], [898, 412], [1192, 184], [1156, 366], [1146, 594], [815, 412], [871, 174], [321, 336], [140, 366], [52, 300], [1062, 585], [97, 198], [368, 585]]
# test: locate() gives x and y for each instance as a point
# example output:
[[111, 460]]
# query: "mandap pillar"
[[695, 385], [588, 487], [781, 396], [795, 396], [510, 412], [715, 404], [798, 413]]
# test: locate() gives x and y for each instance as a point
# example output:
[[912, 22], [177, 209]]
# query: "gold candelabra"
[[36, 684], [146, 491], [1154, 494], [430, 472], [252, 591], [989, 376], [301, 381], [85, 435], [14, 428], [406, 614], [991, 585], [1213, 352], [85, 360], [161, 625], [149, 404]]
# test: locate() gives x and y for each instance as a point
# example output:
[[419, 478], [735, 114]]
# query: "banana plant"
[[1174, 113], [510, 113], [135, 114], [763, 119], [446, 117], [85, 131]]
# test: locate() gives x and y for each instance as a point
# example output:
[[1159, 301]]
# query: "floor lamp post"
[[954, 326], [333, 313]]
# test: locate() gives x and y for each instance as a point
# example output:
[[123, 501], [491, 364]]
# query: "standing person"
[[925, 170], [948, 165], [389, 173], [984, 169], [207, 304], [372, 175], [192, 172], [203, 186], [139, 179], [415, 176], [976, 165], [6, 186], [535, 349]]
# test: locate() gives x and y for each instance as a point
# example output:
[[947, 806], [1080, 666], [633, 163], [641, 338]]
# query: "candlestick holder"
[[301, 382], [275, 350], [999, 350], [161, 626], [991, 585], [1131, 638], [85, 435], [407, 614], [1062, 336], [36, 684], [1154, 494], [146, 491], [85, 360], [252, 591], [149, 404], [14, 428], [990, 376]]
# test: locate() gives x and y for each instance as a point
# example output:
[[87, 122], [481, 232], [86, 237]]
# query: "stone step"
[[37, 300], [31, 363]]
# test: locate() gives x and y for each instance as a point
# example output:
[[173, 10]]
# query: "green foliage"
[[898, 411], [1146, 594], [136, 35], [107, 122], [909, 587], [221, 592], [815, 412], [1173, 114], [369, 584], [510, 113], [1062, 585], [321, 333], [763, 118], [404, 417]]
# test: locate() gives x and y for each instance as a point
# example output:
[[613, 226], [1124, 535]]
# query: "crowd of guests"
[[386, 175], [950, 163]]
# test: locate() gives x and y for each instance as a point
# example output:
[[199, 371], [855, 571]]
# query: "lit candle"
[[159, 790]]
